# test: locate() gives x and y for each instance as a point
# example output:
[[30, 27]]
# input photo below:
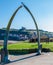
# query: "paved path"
[[9, 42], [32, 59]]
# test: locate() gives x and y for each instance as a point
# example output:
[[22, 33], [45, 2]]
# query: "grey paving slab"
[[32, 59]]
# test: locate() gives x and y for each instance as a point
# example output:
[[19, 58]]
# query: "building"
[[26, 34]]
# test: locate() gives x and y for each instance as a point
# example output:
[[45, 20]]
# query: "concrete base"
[[4, 56], [39, 50]]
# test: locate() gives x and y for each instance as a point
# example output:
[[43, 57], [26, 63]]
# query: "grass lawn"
[[27, 45], [48, 46], [22, 45]]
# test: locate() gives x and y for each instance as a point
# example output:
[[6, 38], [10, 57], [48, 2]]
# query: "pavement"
[[9, 42], [31, 59]]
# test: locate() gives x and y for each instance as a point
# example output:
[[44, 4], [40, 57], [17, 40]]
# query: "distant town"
[[26, 34]]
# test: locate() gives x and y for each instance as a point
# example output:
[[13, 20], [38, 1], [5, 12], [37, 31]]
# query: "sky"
[[41, 9]]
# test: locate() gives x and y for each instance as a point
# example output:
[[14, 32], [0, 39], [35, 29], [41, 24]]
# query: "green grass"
[[22, 45], [27, 45], [48, 46]]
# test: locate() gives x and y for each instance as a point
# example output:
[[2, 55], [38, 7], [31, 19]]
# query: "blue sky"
[[41, 9]]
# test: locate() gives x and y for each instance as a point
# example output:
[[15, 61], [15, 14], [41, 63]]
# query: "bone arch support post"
[[9, 24]]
